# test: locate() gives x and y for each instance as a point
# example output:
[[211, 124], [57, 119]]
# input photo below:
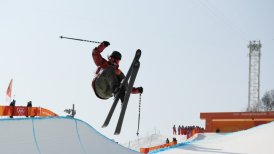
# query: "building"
[[234, 121]]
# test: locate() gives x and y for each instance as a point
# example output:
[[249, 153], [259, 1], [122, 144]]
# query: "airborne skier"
[[111, 81], [108, 75]]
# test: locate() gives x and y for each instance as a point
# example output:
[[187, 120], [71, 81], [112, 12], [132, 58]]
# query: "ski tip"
[[117, 133], [104, 126], [138, 52]]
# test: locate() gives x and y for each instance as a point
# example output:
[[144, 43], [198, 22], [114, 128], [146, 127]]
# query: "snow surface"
[[54, 136], [257, 140], [67, 135]]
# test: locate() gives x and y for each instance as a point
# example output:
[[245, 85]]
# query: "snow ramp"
[[54, 135], [256, 140]]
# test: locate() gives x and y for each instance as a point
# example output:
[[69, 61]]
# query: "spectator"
[[174, 140], [187, 130], [12, 104], [167, 140], [174, 130], [29, 105], [182, 130]]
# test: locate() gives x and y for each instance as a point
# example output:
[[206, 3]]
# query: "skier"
[[108, 75]]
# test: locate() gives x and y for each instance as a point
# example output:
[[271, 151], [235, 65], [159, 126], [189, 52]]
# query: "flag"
[[9, 90]]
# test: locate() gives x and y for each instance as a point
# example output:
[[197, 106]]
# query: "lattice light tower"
[[254, 73]]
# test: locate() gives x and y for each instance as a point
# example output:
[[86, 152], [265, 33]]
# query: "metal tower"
[[254, 74]]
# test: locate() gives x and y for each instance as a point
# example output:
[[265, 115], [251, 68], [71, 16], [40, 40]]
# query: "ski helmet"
[[116, 55]]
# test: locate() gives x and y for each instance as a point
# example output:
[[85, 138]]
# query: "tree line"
[[265, 104]]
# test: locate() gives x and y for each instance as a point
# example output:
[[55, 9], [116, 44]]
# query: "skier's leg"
[[106, 82]]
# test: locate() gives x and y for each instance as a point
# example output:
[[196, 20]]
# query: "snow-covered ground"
[[67, 135], [56, 135], [257, 140]]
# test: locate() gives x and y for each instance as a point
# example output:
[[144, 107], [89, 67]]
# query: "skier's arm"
[[97, 57], [135, 90]]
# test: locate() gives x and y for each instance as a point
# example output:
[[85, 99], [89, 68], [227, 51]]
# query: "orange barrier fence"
[[192, 132], [147, 150], [25, 111]]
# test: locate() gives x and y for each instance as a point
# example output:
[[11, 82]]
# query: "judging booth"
[[224, 122]]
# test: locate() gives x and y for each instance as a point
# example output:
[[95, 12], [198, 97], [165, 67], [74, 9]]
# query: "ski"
[[127, 95], [110, 113], [117, 96]]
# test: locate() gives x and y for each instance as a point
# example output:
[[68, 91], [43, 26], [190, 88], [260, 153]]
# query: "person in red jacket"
[[108, 75]]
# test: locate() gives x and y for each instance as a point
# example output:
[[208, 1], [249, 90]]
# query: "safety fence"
[[192, 132], [25, 111], [147, 150]]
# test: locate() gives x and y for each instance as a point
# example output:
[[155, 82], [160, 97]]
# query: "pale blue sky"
[[194, 56]]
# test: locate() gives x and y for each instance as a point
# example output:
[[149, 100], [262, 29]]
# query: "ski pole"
[[78, 39], [139, 114]]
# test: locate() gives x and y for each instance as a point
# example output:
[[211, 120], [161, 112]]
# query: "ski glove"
[[140, 89], [106, 43]]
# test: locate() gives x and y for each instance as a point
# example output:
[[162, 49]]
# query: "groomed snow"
[[69, 136], [54, 136], [257, 140]]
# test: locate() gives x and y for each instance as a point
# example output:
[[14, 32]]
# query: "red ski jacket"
[[102, 63]]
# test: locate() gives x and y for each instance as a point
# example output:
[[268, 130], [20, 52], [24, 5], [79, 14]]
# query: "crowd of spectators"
[[187, 130]]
